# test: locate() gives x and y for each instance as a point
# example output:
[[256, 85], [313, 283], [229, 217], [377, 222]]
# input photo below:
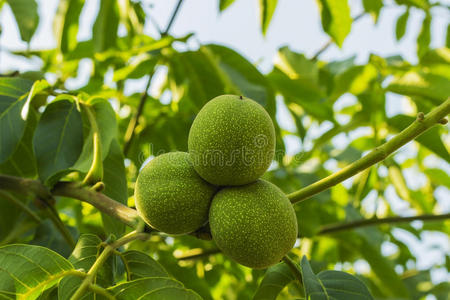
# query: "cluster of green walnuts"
[[231, 144]]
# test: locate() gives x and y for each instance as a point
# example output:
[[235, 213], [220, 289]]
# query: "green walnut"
[[254, 224], [170, 196], [232, 141]]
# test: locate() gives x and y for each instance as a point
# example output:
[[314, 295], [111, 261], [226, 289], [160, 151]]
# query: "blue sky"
[[295, 24]]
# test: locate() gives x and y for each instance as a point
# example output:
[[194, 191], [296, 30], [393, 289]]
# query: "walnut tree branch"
[[420, 125], [375, 221]]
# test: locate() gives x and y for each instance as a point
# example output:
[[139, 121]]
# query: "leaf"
[[66, 24], [58, 139], [436, 57], [355, 80], [266, 9], [332, 284], [296, 65], [26, 271], [26, 15], [243, 75], [83, 257], [152, 288], [140, 265], [224, 4], [114, 178], [400, 27], [22, 162], [47, 235], [447, 37], [107, 126], [421, 83], [104, 31], [136, 70], [438, 177], [336, 19], [373, 7], [430, 139], [424, 37], [12, 125], [275, 279]]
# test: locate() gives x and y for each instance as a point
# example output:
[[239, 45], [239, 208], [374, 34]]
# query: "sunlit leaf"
[[373, 7], [424, 37], [400, 27], [28, 270], [336, 19], [104, 31], [266, 8], [66, 24]]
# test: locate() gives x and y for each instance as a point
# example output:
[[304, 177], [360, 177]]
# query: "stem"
[[172, 19], [294, 269], [101, 291], [421, 124], [330, 41], [20, 204], [95, 173], [100, 201], [370, 222], [135, 119], [87, 282]]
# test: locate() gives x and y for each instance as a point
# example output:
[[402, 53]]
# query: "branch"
[[421, 124], [135, 119], [24, 186], [370, 222], [172, 19], [100, 201], [330, 41]]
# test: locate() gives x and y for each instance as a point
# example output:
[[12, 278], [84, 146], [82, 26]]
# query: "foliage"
[[98, 135]]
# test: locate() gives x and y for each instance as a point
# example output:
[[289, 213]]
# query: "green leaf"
[[355, 80], [438, 177], [22, 162], [336, 19], [423, 4], [421, 83], [47, 235], [83, 257], [114, 178], [424, 37], [107, 126], [66, 24], [266, 9], [447, 37], [296, 65], [224, 4], [430, 139], [152, 288], [26, 15], [275, 279], [400, 27], [58, 139], [332, 284], [136, 70], [104, 32], [26, 271], [140, 265], [243, 76], [436, 56], [373, 7], [12, 125]]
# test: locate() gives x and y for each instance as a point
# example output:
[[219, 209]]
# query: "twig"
[[20, 204], [101, 291], [371, 222], [172, 19], [294, 269], [100, 201], [421, 124], [330, 41], [109, 249], [135, 119]]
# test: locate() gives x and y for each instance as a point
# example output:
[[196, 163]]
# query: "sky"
[[295, 24]]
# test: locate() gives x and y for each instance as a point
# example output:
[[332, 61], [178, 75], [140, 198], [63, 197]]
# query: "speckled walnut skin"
[[254, 224], [232, 141], [170, 196]]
